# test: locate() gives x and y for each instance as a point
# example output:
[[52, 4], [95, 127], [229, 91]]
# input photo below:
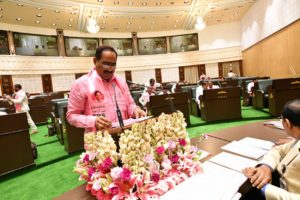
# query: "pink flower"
[[175, 158], [105, 166], [194, 149], [160, 150], [86, 158], [166, 164], [114, 190], [155, 176], [91, 171], [182, 142], [126, 174], [103, 196], [148, 159], [116, 173], [172, 145]]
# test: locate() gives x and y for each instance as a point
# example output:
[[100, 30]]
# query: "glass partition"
[[184, 43], [148, 46], [123, 47], [35, 45], [81, 46], [4, 50]]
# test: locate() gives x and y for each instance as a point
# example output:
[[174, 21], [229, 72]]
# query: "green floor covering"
[[53, 174]]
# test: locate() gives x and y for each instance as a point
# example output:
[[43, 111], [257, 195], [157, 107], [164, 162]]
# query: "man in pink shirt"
[[91, 102]]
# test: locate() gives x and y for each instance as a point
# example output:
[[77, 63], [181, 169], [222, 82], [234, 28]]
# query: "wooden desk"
[[256, 130]]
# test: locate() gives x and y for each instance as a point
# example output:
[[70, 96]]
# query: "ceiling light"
[[53, 24], [20, 4], [102, 27], [186, 2], [57, 11], [129, 23], [127, 27], [39, 8], [116, 2], [130, 3], [69, 25], [175, 26], [37, 22], [177, 20], [209, 16], [140, 27], [71, 19], [144, 4], [73, 13], [131, 17], [92, 25], [158, 3], [39, 15], [100, 1], [236, 13], [18, 19], [103, 22], [200, 23]]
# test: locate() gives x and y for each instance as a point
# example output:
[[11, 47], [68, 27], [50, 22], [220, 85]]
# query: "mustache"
[[108, 72]]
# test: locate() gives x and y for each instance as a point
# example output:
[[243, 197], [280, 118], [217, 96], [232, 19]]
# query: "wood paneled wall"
[[276, 56]]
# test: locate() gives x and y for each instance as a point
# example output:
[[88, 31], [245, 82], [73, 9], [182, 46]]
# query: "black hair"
[[19, 86], [151, 80], [291, 111], [101, 49], [203, 83]]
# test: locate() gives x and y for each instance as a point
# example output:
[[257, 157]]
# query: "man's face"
[[16, 89], [106, 66], [152, 82]]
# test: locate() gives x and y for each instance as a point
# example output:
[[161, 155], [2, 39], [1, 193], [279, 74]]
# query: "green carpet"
[[53, 174]]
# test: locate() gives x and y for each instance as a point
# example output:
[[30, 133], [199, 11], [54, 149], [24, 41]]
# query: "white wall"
[[142, 76], [121, 73], [62, 82], [30, 83], [266, 17], [170, 74], [212, 70]]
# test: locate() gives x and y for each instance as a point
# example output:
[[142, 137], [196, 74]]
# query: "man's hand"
[[283, 141], [258, 176], [102, 123], [138, 112]]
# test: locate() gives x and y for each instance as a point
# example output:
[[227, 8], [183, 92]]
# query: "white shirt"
[[21, 100], [155, 84], [249, 86], [213, 87], [231, 74], [145, 98], [199, 92]]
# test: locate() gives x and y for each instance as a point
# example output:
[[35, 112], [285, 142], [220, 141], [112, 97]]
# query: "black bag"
[[34, 150]]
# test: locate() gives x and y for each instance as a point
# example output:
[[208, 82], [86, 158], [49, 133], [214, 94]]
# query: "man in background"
[[285, 159], [86, 109], [21, 103]]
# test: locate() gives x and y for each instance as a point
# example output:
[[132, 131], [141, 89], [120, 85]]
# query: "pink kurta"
[[84, 105]]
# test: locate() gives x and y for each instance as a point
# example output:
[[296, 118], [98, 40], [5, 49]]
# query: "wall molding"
[[14, 64]]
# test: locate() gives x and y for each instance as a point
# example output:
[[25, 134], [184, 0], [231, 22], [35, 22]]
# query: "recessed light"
[[140, 27], [236, 13], [53, 24], [177, 20], [73, 13], [19, 4], [186, 2], [102, 27], [158, 3], [39, 8], [175, 26], [209, 16], [130, 3], [103, 22], [37, 22], [39, 15], [71, 19], [116, 2], [70, 25], [57, 11], [100, 1], [19, 19], [144, 4], [129, 23], [131, 17]]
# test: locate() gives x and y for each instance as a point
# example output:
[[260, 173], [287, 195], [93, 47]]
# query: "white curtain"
[[191, 74]]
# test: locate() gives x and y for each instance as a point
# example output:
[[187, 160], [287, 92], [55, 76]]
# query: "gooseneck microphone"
[[119, 114]]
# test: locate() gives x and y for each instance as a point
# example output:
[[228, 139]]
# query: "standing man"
[[86, 109], [285, 159], [21, 104]]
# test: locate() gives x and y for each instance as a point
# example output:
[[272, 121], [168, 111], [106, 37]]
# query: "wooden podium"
[[221, 104], [15, 146], [163, 104]]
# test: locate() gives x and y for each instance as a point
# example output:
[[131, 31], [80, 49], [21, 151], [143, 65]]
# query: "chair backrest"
[[288, 83], [264, 84], [55, 108]]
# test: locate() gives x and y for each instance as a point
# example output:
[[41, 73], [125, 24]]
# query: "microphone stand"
[[119, 114]]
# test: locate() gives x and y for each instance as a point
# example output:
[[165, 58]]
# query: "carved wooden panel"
[[181, 73], [158, 75], [7, 85], [220, 66], [201, 68], [241, 67], [78, 75], [128, 76], [47, 83]]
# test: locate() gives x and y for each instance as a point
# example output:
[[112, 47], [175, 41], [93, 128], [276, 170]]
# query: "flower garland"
[[156, 156]]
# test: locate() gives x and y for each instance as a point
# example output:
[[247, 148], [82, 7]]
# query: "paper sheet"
[[262, 144], [244, 150], [232, 161], [130, 121], [275, 124], [204, 154]]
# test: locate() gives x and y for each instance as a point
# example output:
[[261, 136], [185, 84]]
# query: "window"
[[81, 46], [35, 45], [148, 46], [183, 43], [123, 47]]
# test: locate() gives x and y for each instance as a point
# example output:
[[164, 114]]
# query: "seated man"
[[231, 74], [152, 83], [284, 158], [210, 86], [199, 91], [145, 98], [250, 91]]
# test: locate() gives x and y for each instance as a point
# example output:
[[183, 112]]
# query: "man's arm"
[[275, 193], [20, 99], [76, 108]]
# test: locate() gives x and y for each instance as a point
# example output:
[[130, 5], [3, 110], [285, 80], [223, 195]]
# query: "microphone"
[[119, 114]]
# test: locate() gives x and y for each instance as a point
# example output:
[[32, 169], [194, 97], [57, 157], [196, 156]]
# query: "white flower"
[[115, 172]]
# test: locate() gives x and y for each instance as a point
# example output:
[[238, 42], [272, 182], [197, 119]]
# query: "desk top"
[[256, 130]]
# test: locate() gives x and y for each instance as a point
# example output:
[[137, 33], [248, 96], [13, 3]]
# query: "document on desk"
[[216, 183], [130, 121], [232, 161], [262, 144], [204, 154], [244, 150], [275, 124]]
